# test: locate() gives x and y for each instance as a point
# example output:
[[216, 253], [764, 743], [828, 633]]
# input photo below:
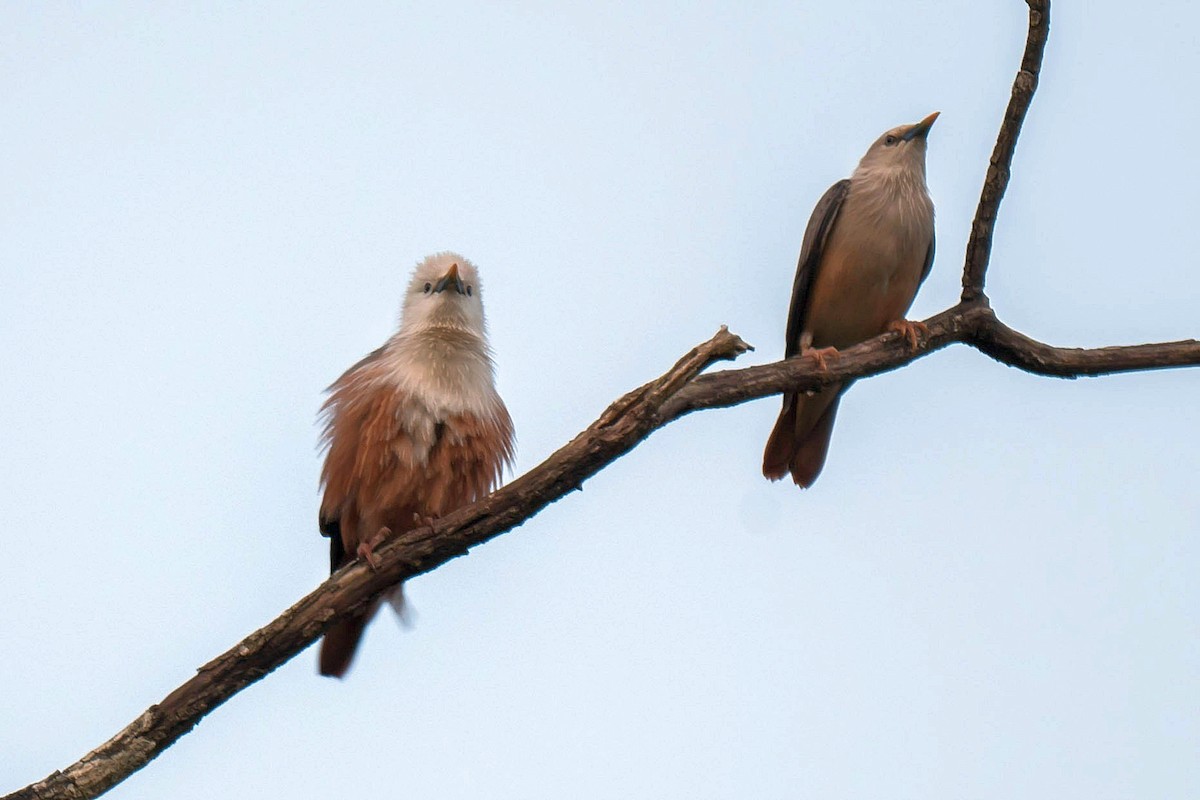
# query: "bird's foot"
[[366, 548], [909, 329], [424, 520], [820, 356]]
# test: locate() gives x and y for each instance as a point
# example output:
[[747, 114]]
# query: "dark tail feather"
[[339, 644], [341, 640], [809, 457], [781, 443]]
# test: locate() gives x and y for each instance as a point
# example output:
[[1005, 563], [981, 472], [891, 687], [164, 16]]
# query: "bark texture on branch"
[[633, 417], [973, 324], [1017, 350]]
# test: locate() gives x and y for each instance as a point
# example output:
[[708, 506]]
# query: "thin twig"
[[979, 246]]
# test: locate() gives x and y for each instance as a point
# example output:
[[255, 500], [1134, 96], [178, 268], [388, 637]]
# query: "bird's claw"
[[366, 548], [820, 356], [910, 329]]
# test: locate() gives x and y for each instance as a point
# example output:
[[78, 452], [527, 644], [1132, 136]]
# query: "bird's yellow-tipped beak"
[[921, 128], [450, 279]]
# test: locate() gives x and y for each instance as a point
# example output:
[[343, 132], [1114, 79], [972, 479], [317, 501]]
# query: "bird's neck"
[[448, 368], [894, 198], [889, 179]]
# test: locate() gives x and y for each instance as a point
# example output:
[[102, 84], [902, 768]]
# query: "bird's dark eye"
[[468, 291], [428, 288], [890, 140]]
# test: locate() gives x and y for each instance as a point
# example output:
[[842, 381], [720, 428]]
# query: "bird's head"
[[900, 149], [444, 292]]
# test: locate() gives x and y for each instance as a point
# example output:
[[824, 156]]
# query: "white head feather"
[[889, 183], [433, 301], [898, 154], [440, 356]]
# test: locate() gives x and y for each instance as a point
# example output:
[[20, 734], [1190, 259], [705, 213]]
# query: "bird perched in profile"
[[866, 250], [414, 430]]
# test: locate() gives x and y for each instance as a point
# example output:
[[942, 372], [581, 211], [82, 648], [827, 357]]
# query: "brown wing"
[[329, 520], [796, 418], [928, 258], [820, 224], [365, 442]]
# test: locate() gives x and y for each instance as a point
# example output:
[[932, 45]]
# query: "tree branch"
[[979, 246], [680, 391], [625, 423], [621, 427], [1017, 350], [973, 324]]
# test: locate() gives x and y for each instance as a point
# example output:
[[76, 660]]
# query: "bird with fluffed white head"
[[414, 431]]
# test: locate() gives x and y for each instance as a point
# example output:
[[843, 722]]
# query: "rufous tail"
[[798, 444], [778, 453], [809, 458], [339, 644]]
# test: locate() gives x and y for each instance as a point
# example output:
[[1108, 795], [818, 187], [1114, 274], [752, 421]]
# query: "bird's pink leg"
[[819, 356], [366, 548], [910, 330]]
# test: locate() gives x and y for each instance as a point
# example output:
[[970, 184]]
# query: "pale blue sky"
[[207, 214]]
